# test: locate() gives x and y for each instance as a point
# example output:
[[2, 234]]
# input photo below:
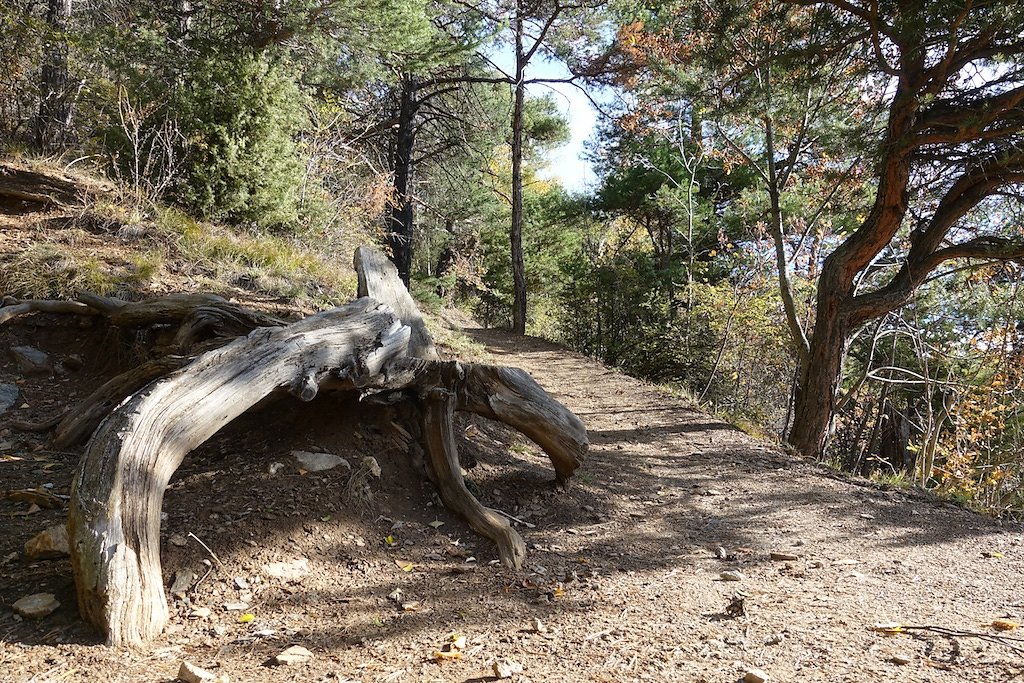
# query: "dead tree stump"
[[150, 418], [114, 518]]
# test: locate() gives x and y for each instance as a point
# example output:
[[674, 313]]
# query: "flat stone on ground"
[[36, 606], [319, 462]]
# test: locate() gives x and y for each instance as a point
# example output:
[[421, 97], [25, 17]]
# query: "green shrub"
[[240, 115]]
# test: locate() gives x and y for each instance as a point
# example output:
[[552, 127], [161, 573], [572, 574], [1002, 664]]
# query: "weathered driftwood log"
[[194, 312], [508, 395], [38, 190], [204, 322], [378, 279], [12, 308], [114, 519]]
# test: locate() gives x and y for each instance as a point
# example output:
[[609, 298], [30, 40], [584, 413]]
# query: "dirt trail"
[[622, 582]]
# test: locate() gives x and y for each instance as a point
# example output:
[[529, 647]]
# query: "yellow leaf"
[[1004, 624], [442, 655], [889, 629], [246, 618], [458, 641], [405, 566], [390, 540]]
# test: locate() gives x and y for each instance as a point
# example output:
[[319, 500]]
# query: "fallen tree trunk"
[[114, 519]]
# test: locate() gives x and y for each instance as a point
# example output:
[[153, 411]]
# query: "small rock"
[[49, 544], [199, 613], [178, 540], [783, 557], [31, 361], [73, 363], [241, 583], [539, 626], [507, 669], [274, 467], [712, 492], [732, 575], [236, 606], [8, 397], [289, 571], [755, 676], [36, 606], [190, 673], [183, 580], [372, 466], [901, 659], [294, 655], [319, 462]]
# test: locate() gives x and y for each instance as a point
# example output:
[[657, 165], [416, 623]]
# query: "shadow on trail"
[[661, 489]]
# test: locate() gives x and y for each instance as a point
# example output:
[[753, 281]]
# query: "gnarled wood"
[[12, 307], [508, 395], [379, 279], [78, 424], [114, 519], [447, 476], [177, 309]]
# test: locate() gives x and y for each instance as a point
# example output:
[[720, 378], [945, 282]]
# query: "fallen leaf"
[[246, 618], [442, 655], [1004, 624], [458, 641], [889, 629], [405, 566], [436, 524], [390, 540]]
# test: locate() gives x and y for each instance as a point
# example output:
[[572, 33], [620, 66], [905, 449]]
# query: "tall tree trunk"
[[400, 227], [516, 231], [54, 117], [820, 376], [796, 330]]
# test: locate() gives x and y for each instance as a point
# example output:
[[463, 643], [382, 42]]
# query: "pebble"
[[183, 580], [8, 397], [36, 606], [732, 575], [190, 673], [199, 613], [755, 676], [289, 571], [319, 462], [507, 669], [49, 544], [901, 659], [294, 655], [372, 466], [31, 360], [783, 557]]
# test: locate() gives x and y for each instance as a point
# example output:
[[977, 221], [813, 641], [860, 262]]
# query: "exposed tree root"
[[217, 361]]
